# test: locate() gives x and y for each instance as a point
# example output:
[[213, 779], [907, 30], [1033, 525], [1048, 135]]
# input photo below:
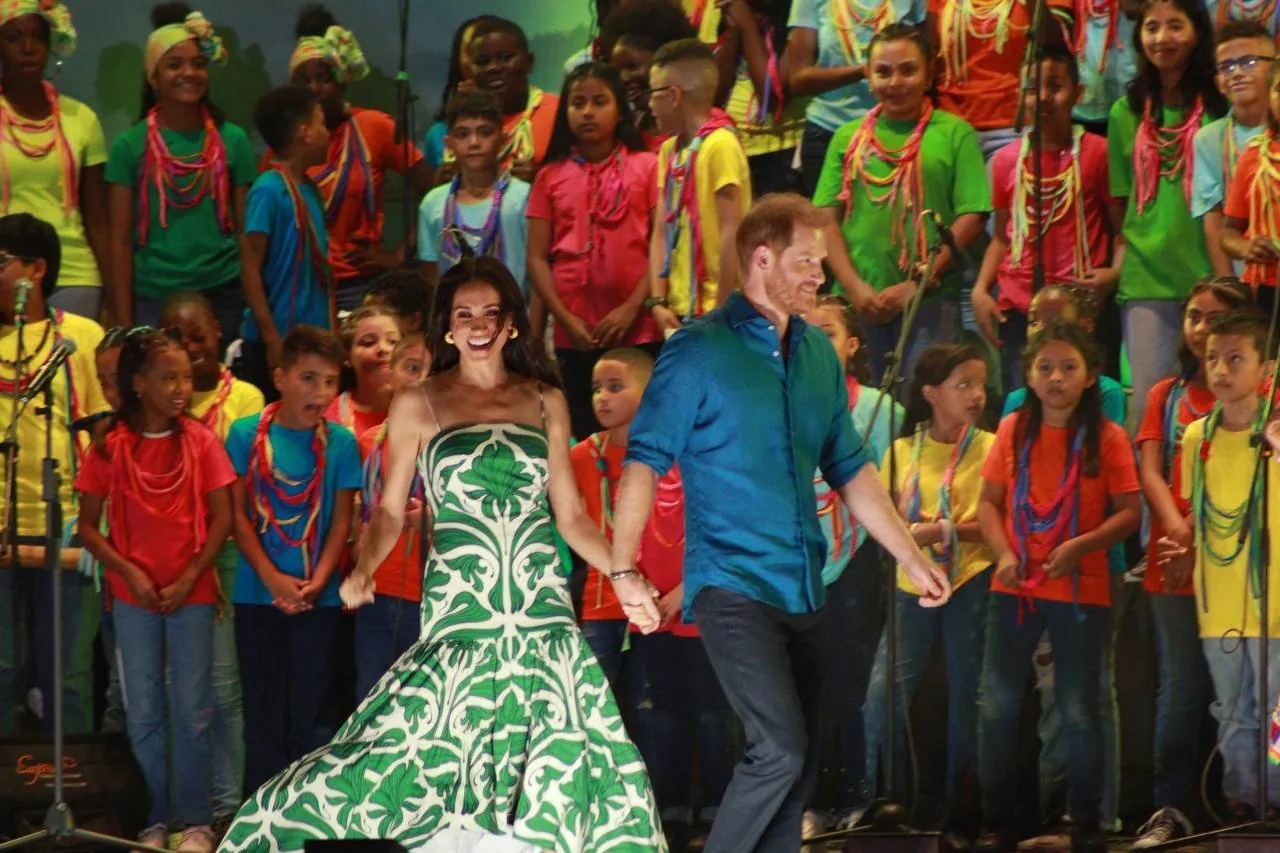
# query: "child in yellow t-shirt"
[[1218, 464], [938, 466], [218, 400], [704, 188]]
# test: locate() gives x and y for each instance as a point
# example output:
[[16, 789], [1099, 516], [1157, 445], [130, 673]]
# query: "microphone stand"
[[1032, 73], [405, 100], [9, 452], [886, 816], [59, 822]]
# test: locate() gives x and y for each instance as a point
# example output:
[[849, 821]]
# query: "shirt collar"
[[738, 311]]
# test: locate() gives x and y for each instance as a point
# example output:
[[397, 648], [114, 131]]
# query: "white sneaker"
[[155, 837], [1165, 825], [196, 839]]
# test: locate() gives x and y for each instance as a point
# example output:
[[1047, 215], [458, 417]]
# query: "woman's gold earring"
[[515, 333], [448, 338]]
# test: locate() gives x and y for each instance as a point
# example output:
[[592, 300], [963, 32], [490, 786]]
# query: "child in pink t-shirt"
[[1077, 234], [170, 513], [590, 214]]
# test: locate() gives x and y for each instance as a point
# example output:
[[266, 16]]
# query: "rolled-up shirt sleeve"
[[669, 409], [843, 454]]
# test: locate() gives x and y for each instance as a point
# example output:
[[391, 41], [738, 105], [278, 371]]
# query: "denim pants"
[[26, 636], [678, 698], [1054, 749], [813, 153], [959, 626], [771, 665], [1183, 688], [1079, 635], [79, 299], [385, 630], [1152, 334], [228, 701], [1013, 340], [1234, 668], [937, 322], [183, 642], [852, 616], [607, 637], [286, 673]]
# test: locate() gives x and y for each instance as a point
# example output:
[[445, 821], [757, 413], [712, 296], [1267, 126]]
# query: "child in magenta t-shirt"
[[170, 512], [590, 215]]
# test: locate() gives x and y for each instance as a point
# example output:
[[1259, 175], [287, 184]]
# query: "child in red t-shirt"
[[672, 689], [590, 213], [369, 336], [167, 476], [1060, 488], [387, 628]]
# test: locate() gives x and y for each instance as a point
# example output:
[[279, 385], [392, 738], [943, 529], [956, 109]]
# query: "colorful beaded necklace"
[[1164, 152], [269, 488], [849, 19], [1062, 192], [16, 128], [183, 182]]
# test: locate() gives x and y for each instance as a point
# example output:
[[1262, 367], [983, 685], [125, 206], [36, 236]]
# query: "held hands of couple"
[[639, 599]]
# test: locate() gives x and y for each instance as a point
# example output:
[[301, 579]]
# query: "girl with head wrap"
[[52, 149], [178, 181], [362, 149]]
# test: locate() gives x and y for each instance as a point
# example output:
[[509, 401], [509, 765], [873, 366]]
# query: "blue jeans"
[[1239, 710], [606, 637], [384, 631], [813, 153], [937, 322], [286, 673], [26, 635], [79, 299], [228, 704], [771, 665], [959, 626], [182, 641], [1152, 334], [852, 615], [1013, 340], [1079, 637], [1180, 700], [679, 697]]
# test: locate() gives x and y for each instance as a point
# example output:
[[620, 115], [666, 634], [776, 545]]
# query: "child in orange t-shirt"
[[1251, 231], [362, 149], [387, 628], [168, 478], [673, 692], [501, 62], [1060, 488], [369, 336]]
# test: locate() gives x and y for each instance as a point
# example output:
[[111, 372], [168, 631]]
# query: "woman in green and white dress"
[[496, 731]]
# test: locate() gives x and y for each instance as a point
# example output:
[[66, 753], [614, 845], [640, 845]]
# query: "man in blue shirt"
[[750, 401]]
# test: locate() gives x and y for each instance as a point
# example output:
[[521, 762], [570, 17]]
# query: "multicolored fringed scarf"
[[347, 151], [1164, 152], [849, 19], [1062, 192], [162, 494], [300, 499], [17, 129], [310, 249], [984, 20], [183, 182], [485, 241], [909, 501]]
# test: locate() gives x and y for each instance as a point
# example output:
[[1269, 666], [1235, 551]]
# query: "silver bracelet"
[[617, 576]]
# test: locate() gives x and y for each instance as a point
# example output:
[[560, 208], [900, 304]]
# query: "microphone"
[[21, 295], [89, 422], [948, 238], [62, 350]]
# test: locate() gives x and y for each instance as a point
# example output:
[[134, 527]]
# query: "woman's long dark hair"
[[520, 354], [455, 61], [1198, 78], [1088, 411], [1227, 289], [162, 15], [138, 349], [562, 139], [932, 368]]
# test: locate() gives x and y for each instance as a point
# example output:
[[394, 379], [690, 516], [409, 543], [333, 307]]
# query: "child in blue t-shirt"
[[287, 277], [294, 499], [483, 205]]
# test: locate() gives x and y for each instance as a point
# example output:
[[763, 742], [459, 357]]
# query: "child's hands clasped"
[[286, 593], [175, 594], [142, 588]]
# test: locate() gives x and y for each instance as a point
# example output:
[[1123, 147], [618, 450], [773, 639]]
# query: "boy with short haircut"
[[293, 513], [1077, 240], [1218, 464], [1244, 55], [462, 209], [502, 62], [387, 628], [672, 689], [704, 188], [30, 259], [287, 277]]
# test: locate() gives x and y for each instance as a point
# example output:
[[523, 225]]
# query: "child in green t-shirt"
[[881, 171], [1150, 148]]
